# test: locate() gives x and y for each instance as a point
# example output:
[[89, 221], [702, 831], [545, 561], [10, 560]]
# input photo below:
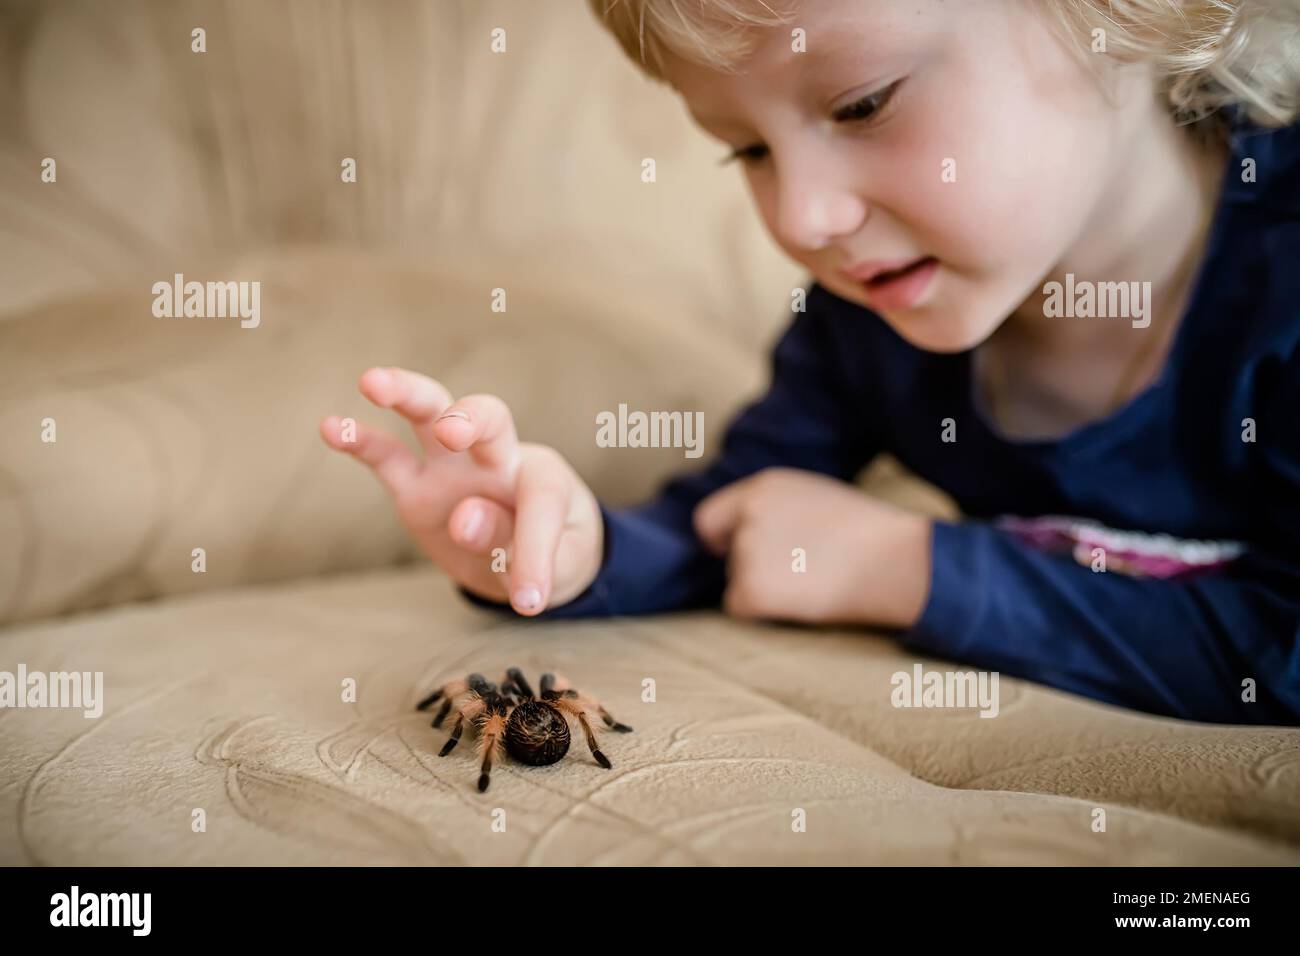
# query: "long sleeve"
[[1180, 648], [1177, 647], [653, 560]]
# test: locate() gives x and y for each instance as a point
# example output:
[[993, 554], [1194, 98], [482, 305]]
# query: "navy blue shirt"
[[1175, 460]]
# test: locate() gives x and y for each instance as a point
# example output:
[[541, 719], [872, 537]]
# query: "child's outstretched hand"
[[479, 488], [863, 562]]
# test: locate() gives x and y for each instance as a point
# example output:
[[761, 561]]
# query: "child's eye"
[[747, 154], [868, 106], [862, 111]]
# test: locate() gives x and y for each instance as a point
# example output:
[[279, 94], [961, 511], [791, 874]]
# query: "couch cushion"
[[231, 702]]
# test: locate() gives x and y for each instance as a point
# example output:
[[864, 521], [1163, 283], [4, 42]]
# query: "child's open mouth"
[[901, 288]]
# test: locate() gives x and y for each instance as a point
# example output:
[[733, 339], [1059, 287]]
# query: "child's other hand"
[[479, 488], [866, 562]]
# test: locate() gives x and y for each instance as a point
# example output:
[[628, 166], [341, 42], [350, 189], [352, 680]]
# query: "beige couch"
[[223, 688]]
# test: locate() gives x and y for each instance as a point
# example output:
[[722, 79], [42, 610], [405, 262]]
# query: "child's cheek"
[[1001, 198]]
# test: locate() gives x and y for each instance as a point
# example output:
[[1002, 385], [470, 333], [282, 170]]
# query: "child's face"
[[986, 94]]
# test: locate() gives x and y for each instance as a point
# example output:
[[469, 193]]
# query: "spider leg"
[[560, 687], [430, 700], [490, 736], [449, 690], [550, 690], [439, 717], [574, 709], [561, 684], [467, 711], [475, 683], [563, 687], [516, 677], [610, 722], [592, 703], [512, 689], [455, 736]]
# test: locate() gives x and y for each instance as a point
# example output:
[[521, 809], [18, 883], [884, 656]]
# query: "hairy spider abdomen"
[[537, 733]]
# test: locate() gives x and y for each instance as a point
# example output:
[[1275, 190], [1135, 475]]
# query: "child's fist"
[[863, 561], [479, 488]]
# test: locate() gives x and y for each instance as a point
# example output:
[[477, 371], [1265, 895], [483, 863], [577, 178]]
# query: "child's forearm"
[[1215, 648]]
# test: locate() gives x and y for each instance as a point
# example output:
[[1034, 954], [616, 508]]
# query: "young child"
[[1055, 247]]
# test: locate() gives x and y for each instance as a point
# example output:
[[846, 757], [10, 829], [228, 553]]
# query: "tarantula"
[[534, 730]]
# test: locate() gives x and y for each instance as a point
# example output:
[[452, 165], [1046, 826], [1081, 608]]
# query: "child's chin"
[[943, 333]]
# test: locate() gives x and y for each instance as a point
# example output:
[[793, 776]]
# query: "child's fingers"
[[541, 506], [483, 425], [392, 462], [417, 398], [479, 525], [716, 517]]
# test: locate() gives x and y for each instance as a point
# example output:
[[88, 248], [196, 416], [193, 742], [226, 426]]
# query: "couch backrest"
[[476, 171], [165, 154]]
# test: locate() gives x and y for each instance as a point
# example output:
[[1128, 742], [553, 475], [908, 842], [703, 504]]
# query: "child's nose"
[[811, 216]]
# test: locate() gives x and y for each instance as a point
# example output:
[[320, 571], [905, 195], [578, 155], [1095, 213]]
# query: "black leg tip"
[[429, 701], [483, 782], [621, 728], [437, 721], [446, 748], [602, 760]]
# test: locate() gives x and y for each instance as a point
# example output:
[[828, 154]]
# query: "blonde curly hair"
[[1207, 54]]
